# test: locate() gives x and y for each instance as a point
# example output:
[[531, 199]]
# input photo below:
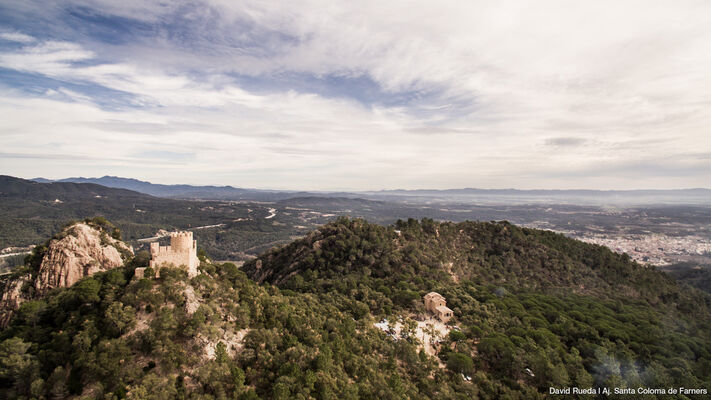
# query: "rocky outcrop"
[[78, 251], [81, 250], [12, 296]]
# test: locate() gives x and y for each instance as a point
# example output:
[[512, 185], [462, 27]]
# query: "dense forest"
[[575, 314], [532, 310], [693, 274], [109, 336]]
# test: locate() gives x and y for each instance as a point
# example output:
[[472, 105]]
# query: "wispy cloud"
[[360, 95], [565, 142], [16, 37]]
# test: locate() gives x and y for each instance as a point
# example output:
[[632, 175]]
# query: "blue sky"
[[330, 95]]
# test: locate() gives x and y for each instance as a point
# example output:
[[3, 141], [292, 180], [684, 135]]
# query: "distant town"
[[653, 249]]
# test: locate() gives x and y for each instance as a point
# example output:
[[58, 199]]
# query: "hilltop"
[[425, 255], [523, 298]]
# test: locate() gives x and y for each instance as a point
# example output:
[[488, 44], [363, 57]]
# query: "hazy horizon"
[[334, 96], [369, 190]]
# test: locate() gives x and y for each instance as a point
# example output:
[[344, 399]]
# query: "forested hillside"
[[573, 313], [30, 212], [693, 274], [532, 310], [218, 335], [425, 255]]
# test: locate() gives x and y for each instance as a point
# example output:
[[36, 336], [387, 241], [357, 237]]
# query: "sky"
[[359, 95]]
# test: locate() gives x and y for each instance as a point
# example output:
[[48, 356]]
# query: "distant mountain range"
[[466, 195], [184, 191], [11, 187]]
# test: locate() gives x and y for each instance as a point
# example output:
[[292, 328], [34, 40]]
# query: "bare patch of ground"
[[428, 332], [234, 341]]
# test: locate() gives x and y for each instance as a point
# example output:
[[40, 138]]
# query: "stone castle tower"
[[182, 252]]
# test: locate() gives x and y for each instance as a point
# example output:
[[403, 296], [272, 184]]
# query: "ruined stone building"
[[437, 305], [182, 252]]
